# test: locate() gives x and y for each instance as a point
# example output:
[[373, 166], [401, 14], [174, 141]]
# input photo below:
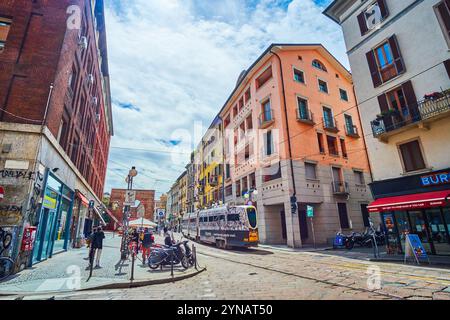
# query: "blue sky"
[[173, 63]]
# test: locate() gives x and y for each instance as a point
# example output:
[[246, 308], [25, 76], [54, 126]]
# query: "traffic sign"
[[309, 211], [161, 213], [141, 211]]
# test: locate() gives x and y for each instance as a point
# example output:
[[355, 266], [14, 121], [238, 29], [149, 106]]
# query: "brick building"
[[144, 197], [55, 122]]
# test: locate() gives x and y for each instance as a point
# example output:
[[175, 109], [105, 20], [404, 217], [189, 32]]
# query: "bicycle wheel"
[[6, 268]]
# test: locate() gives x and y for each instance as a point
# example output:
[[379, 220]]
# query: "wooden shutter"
[[383, 8], [411, 100], [362, 23], [447, 66], [384, 107], [373, 67], [398, 60], [443, 9]]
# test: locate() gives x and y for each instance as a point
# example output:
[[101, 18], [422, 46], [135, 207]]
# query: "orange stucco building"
[[292, 134]]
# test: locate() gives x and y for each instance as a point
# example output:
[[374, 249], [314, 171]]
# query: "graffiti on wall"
[[18, 174]]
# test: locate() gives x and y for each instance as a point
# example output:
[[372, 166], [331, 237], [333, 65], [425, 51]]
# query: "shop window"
[[412, 157], [311, 171], [264, 77], [5, 26]]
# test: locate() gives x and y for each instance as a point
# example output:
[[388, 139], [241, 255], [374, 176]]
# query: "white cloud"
[[177, 61]]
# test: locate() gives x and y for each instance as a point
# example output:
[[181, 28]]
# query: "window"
[[343, 216], [359, 177], [412, 156], [227, 171], [267, 111], [272, 172], [303, 113], [264, 77], [319, 65], [323, 86], [320, 141], [227, 121], [344, 95], [349, 126], [235, 111], [268, 143], [247, 95], [241, 103], [328, 119], [299, 76], [443, 13], [5, 25], [332, 146], [310, 171], [343, 148], [229, 190], [252, 179], [372, 16], [249, 122], [238, 188], [385, 61]]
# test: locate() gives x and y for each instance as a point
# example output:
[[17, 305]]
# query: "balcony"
[[340, 188], [419, 115], [330, 124], [351, 131], [266, 119], [305, 116], [213, 181]]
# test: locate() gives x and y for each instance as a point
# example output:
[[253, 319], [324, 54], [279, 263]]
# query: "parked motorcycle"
[[365, 239], [166, 255], [189, 254]]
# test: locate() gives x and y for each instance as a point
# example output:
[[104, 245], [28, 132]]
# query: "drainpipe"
[[287, 123], [288, 140], [223, 159], [362, 131]]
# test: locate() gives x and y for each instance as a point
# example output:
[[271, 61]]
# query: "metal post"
[[194, 252], [171, 262], [132, 265], [314, 235]]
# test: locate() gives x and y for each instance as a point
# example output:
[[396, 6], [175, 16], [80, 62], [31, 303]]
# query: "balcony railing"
[[424, 110], [351, 130], [330, 124], [340, 187], [305, 116], [266, 119], [213, 181]]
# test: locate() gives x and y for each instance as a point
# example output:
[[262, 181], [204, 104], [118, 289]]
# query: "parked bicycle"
[[6, 263]]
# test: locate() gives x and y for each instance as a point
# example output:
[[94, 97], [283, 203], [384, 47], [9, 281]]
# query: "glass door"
[[419, 227], [47, 235]]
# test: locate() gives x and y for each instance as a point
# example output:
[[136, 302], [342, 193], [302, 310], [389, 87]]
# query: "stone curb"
[[434, 263], [118, 285]]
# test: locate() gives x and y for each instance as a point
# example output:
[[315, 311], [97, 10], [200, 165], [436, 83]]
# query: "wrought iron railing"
[[340, 187], [266, 118], [423, 110], [305, 115], [330, 124]]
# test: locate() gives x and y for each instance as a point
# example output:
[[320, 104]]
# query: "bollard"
[[132, 266], [171, 263]]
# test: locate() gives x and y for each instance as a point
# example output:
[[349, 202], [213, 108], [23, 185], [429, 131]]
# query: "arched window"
[[319, 65]]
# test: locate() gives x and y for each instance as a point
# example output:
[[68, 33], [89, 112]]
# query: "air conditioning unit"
[[83, 43], [91, 79]]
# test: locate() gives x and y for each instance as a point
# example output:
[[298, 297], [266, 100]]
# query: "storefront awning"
[[411, 201], [83, 199]]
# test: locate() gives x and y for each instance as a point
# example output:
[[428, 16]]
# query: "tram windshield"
[[251, 214]]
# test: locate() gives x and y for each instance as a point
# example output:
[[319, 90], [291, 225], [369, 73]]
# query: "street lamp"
[[126, 213]]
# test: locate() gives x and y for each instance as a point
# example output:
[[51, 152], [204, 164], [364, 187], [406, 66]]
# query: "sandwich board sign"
[[414, 247]]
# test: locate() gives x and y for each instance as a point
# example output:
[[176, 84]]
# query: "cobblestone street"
[[266, 273]]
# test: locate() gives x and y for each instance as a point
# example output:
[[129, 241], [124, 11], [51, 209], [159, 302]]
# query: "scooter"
[[166, 255], [189, 254]]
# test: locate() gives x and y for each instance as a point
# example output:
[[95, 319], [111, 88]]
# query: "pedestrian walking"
[[97, 246], [146, 244]]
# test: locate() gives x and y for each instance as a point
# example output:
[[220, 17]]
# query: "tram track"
[[388, 295]]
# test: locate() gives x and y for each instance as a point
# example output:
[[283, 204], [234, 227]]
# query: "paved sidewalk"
[[68, 271]]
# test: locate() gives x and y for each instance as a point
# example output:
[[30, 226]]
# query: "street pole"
[[132, 173]]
